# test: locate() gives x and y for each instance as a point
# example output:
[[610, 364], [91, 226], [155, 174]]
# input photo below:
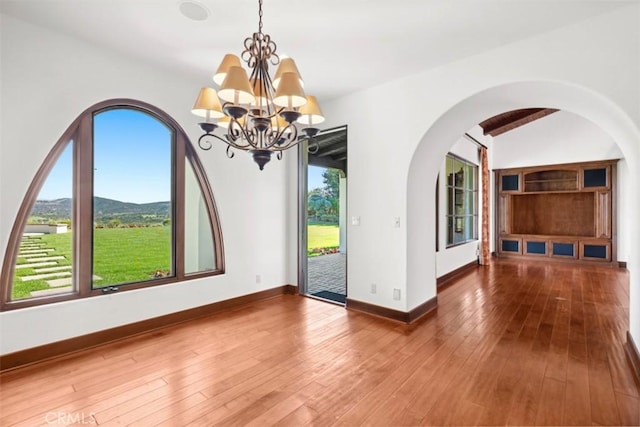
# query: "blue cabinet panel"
[[510, 183], [510, 246], [595, 177], [536, 248], [595, 251], [563, 249]]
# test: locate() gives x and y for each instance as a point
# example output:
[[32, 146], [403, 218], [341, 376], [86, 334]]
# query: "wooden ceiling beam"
[[331, 149], [505, 122], [326, 162], [326, 140]]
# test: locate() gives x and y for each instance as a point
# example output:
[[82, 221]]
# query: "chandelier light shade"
[[289, 93], [287, 65], [310, 113], [208, 105], [254, 112], [229, 60], [236, 88]]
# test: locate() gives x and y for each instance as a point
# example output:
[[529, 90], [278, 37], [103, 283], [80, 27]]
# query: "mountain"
[[52, 209], [105, 210], [102, 206]]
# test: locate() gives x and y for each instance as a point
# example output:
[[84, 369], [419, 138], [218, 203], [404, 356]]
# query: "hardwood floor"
[[515, 343]]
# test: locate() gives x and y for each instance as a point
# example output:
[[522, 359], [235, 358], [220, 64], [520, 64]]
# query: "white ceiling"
[[340, 46]]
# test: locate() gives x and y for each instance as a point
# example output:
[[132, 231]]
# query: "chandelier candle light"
[[260, 115]]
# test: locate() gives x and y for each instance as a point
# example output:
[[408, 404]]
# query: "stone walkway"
[[45, 266], [328, 273]]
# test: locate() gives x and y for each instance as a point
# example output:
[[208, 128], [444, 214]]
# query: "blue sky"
[[59, 182], [314, 177], [132, 160]]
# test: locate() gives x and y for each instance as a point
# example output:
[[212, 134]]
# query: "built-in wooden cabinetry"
[[562, 212]]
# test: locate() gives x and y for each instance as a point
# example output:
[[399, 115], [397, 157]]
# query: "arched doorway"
[[421, 275]]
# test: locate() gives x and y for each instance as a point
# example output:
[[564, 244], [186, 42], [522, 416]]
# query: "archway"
[[421, 275]]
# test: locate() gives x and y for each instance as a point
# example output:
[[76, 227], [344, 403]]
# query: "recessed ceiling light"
[[194, 10]]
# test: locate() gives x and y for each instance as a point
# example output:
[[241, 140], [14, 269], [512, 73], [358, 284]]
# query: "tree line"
[[324, 202]]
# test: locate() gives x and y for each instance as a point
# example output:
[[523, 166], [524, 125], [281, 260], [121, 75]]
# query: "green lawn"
[[124, 255], [121, 255], [62, 245], [322, 236]]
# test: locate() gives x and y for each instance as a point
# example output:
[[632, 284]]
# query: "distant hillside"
[[105, 211], [103, 206], [52, 209]]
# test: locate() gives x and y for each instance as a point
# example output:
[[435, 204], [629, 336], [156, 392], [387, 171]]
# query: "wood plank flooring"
[[517, 343]]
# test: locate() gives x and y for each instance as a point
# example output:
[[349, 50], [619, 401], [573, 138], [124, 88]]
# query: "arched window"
[[121, 202]]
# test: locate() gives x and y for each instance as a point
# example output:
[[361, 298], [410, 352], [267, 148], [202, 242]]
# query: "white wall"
[[590, 68], [47, 80], [562, 137], [343, 215]]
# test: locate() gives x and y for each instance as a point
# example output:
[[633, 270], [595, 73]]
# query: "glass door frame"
[[303, 208]]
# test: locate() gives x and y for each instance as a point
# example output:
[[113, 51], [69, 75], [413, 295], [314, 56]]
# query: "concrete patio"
[[327, 273]]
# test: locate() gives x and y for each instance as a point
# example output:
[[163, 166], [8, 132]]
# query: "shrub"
[[329, 218], [323, 251]]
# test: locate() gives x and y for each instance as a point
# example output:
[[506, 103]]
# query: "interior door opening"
[[323, 213]]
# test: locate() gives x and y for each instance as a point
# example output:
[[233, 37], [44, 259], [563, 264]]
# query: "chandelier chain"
[[260, 16]]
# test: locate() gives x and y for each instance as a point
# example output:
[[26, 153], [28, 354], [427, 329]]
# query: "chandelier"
[[255, 113]]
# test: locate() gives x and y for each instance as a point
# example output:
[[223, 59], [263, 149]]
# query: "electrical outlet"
[[258, 278], [396, 294], [355, 220], [374, 288]]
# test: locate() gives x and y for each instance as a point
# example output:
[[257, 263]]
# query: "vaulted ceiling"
[[340, 46]]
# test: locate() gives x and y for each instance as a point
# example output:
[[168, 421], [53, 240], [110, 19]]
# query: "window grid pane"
[[45, 257], [132, 203], [462, 201], [199, 248]]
